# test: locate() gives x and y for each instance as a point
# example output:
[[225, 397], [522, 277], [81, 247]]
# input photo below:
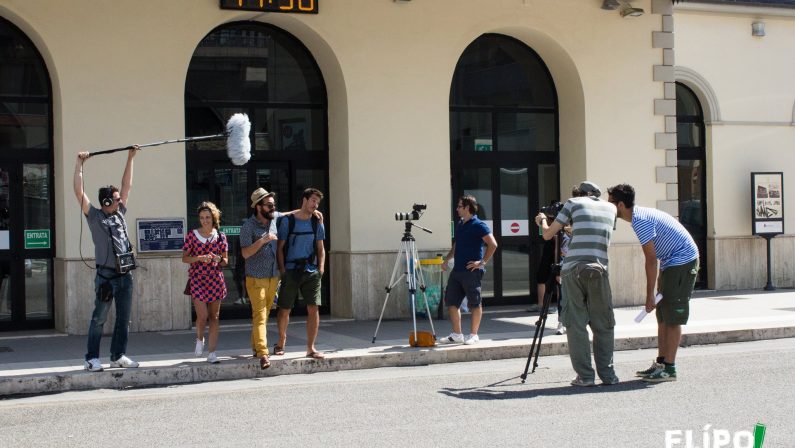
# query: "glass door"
[[26, 246], [229, 187]]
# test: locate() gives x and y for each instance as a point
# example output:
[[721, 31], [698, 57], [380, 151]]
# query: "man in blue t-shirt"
[[662, 238], [301, 257], [470, 263]]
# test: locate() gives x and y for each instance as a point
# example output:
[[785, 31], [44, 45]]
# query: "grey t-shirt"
[[105, 228]]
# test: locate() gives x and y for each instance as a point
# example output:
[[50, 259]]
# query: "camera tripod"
[[552, 287], [414, 277]]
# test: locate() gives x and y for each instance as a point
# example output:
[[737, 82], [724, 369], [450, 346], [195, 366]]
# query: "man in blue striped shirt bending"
[[662, 238], [586, 284]]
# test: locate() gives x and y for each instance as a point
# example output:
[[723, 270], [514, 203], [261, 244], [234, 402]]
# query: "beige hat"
[[258, 195]]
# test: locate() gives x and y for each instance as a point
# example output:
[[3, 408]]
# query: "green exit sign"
[[37, 239], [231, 230]]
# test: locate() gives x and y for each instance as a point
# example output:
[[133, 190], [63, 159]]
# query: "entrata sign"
[[37, 239], [295, 6]]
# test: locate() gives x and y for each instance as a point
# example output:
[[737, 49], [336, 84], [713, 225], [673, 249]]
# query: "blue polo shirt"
[[469, 244]]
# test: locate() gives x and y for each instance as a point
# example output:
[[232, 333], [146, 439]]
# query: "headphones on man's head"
[[106, 196]]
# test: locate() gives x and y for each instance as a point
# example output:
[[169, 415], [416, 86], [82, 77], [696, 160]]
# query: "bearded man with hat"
[[586, 284], [258, 243]]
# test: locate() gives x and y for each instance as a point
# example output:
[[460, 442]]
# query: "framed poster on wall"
[[767, 191], [160, 235]]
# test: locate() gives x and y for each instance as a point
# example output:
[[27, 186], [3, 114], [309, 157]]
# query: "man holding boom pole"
[[112, 281]]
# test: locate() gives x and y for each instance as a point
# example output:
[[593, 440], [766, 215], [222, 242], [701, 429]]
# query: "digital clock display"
[[296, 6]]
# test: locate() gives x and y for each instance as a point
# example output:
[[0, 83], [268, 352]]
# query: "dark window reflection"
[[252, 63], [24, 92], [496, 71]]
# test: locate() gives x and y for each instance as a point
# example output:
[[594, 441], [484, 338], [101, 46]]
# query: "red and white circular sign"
[[515, 227]]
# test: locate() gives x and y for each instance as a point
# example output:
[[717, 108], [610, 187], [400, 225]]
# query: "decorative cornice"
[[703, 91], [756, 11]]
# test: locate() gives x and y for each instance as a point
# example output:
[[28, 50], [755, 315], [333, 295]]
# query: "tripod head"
[[407, 236]]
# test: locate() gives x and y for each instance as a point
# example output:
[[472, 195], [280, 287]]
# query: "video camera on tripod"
[[408, 258], [552, 210], [413, 215]]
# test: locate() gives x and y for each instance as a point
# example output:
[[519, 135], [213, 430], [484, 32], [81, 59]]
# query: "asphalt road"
[[724, 388]]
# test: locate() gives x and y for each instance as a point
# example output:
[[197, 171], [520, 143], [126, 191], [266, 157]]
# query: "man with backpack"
[[301, 257]]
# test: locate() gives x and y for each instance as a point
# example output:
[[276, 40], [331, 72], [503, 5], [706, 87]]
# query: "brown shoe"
[[264, 362]]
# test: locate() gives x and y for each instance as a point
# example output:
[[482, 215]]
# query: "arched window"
[[267, 73], [26, 206], [504, 151], [691, 156]]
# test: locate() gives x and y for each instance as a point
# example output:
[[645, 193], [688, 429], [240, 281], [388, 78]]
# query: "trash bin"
[[432, 272]]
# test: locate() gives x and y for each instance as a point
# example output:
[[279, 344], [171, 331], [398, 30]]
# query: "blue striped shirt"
[[592, 223], [672, 242]]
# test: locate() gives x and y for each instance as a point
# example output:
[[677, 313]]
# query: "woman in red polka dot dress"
[[206, 250]]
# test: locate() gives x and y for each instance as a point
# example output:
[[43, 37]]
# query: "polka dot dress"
[[206, 279]]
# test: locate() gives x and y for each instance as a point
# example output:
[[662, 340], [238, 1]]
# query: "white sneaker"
[[452, 339], [212, 358], [561, 329], [199, 348], [471, 339], [93, 365], [124, 362]]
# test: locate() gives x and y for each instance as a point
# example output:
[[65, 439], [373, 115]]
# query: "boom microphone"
[[238, 145]]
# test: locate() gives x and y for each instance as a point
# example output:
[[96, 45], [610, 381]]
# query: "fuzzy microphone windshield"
[[238, 145]]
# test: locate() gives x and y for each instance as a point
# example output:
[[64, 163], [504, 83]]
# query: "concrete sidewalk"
[[45, 362]]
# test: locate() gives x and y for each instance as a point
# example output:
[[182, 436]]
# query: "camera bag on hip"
[[125, 262]]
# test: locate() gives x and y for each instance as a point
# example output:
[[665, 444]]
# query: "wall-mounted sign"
[[160, 235], [231, 230], [37, 238], [295, 6], [767, 190], [516, 227], [483, 145]]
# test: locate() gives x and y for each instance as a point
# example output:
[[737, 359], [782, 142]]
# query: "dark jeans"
[[122, 295]]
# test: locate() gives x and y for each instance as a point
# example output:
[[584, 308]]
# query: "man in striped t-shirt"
[[662, 238], [585, 283]]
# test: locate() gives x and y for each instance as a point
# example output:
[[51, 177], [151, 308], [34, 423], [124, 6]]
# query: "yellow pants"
[[261, 292]]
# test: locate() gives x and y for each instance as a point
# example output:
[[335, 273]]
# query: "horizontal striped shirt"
[[672, 242], [592, 222]]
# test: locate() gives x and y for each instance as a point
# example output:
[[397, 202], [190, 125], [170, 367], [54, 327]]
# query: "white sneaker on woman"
[[199, 348], [212, 358]]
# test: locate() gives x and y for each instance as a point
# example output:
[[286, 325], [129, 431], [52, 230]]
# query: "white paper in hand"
[[643, 313]]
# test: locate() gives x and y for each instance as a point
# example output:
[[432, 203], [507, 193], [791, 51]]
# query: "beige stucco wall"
[[118, 71], [748, 96]]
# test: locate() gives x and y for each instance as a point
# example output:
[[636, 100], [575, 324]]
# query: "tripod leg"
[[538, 336], [392, 283], [411, 280], [423, 286]]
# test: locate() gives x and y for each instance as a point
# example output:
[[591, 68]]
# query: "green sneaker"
[[655, 366], [664, 374]]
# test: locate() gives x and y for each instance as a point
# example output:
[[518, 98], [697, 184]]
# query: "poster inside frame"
[[160, 235], [767, 191]]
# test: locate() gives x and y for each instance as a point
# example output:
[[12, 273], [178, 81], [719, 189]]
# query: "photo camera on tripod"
[[414, 214], [552, 210]]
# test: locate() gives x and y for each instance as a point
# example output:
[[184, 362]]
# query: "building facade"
[[383, 104]]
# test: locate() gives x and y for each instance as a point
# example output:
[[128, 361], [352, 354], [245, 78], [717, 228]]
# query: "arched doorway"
[[691, 156], [505, 151], [267, 73], [26, 209]]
